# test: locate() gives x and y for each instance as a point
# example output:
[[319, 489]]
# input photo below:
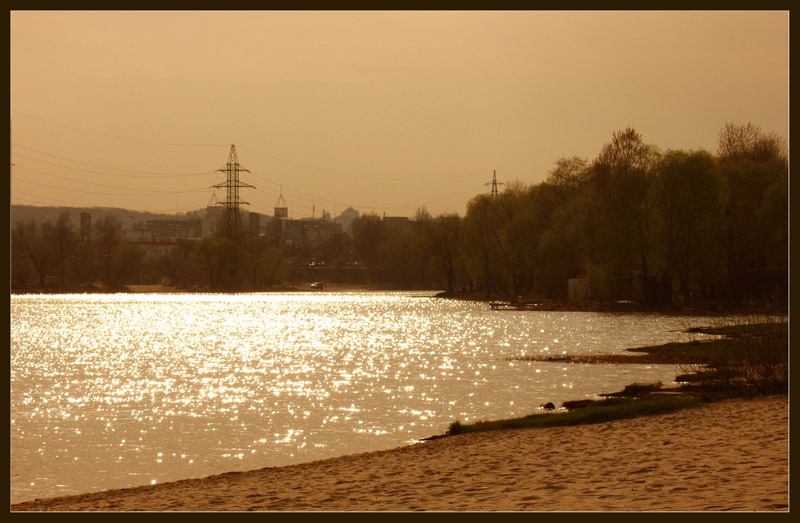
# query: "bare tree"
[[108, 231], [26, 244], [750, 142], [62, 241], [442, 239]]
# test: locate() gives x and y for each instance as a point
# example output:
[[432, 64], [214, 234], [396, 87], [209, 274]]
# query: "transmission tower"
[[232, 221], [494, 183], [281, 214]]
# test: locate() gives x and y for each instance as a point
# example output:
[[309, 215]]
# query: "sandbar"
[[725, 456]]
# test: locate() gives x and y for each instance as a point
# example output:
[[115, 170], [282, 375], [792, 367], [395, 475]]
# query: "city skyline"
[[379, 111]]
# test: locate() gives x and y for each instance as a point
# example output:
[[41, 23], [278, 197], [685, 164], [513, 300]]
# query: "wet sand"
[[727, 456]]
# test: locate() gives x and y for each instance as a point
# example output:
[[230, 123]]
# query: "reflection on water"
[[109, 391]]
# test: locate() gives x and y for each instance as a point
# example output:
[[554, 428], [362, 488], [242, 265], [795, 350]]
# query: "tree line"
[[678, 225]]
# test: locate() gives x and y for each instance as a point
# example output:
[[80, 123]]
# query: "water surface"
[[110, 391]]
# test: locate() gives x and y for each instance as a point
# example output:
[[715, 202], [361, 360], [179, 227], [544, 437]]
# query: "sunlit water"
[[111, 391]]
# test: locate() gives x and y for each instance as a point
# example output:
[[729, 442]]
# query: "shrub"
[[753, 359]]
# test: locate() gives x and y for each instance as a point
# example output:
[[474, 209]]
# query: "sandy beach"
[[727, 456]]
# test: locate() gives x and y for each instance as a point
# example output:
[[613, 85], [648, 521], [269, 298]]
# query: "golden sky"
[[382, 111]]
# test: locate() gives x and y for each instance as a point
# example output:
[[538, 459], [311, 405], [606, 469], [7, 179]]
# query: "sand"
[[727, 456]]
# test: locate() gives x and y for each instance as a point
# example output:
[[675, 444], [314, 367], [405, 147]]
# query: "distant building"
[[309, 232], [210, 222], [170, 230], [261, 224], [346, 219]]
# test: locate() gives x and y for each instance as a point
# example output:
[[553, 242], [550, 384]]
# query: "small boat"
[[503, 306], [538, 305]]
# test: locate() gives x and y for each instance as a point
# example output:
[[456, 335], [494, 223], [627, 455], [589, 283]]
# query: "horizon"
[[184, 214], [379, 111]]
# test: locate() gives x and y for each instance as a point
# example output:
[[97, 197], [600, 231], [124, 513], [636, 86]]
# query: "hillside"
[[128, 218]]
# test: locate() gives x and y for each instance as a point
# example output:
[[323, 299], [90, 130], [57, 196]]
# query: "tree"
[[481, 243], [85, 267], [263, 261], [26, 244], [179, 264], [441, 240], [754, 167], [737, 142], [622, 173], [272, 265], [687, 194], [336, 249], [422, 216], [569, 176], [222, 260], [563, 247], [401, 260], [756, 202], [126, 264], [107, 231], [773, 217], [625, 154], [368, 233], [524, 215], [61, 240]]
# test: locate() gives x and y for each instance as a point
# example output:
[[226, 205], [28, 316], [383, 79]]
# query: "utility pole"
[[281, 215], [494, 183], [232, 221]]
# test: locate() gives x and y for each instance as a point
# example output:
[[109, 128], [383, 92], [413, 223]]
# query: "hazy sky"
[[381, 111]]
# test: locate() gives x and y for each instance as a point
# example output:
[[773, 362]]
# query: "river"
[[119, 390]]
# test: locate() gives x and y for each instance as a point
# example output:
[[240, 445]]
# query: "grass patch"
[[691, 352], [582, 404], [762, 328], [619, 409], [752, 360], [635, 390]]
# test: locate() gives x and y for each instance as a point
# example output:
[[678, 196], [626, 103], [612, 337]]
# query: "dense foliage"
[[635, 223]]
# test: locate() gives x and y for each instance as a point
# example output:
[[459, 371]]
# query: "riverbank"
[[547, 305], [169, 289], [725, 456]]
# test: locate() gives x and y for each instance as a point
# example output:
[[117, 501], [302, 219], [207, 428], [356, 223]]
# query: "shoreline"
[[708, 309], [725, 456], [712, 309]]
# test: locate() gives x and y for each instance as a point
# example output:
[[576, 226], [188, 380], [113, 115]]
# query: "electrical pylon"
[[232, 221], [494, 183]]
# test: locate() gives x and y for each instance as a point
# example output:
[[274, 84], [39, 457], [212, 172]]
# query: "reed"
[[623, 409]]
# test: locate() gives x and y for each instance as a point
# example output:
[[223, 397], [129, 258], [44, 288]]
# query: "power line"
[[315, 199], [17, 166], [114, 136], [330, 171], [308, 197], [46, 198], [96, 165], [83, 205], [162, 193], [379, 178], [304, 196]]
